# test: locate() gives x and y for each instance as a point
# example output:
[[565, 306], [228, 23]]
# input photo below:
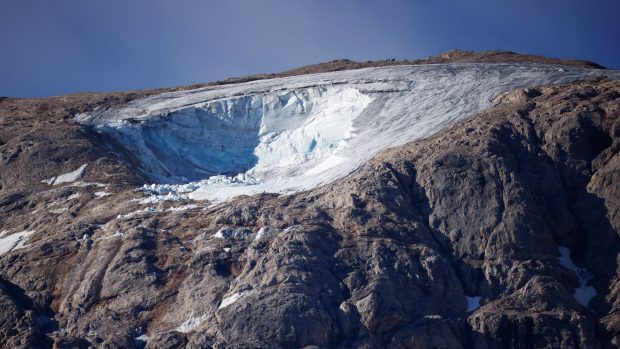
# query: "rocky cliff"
[[500, 231]]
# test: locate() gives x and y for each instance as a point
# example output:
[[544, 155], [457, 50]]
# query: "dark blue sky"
[[58, 47]]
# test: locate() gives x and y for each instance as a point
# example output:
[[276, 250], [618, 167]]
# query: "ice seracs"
[[230, 136], [290, 134]]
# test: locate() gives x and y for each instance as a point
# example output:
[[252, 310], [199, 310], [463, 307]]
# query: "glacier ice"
[[295, 133], [234, 135], [14, 241]]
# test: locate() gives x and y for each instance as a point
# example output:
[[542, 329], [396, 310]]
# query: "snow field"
[[584, 293]]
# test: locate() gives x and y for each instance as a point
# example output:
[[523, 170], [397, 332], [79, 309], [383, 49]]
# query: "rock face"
[[498, 232]]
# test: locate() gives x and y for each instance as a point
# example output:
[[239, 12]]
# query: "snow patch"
[[118, 234], [59, 210], [190, 324], [62, 332], [233, 233], [144, 211], [234, 297], [67, 177], [265, 233], [143, 338], [74, 196], [584, 293], [81, 184], [101, 194], [14, 241], [473, 303]]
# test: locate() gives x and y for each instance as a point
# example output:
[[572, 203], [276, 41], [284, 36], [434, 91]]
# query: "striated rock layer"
[[500, 231]]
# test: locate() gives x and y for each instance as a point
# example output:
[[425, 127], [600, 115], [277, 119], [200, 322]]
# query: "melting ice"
[[290, 134]]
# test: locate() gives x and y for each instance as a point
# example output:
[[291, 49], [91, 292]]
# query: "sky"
[[65, 46]]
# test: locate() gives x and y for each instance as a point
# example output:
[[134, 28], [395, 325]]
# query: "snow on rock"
[[14, 241], [118, 234], [101, 194], [584, 293], [473, 303], [74, 196], [182, 208], [144, 211], [295, 133], [143, 338], [190, 324], [234, 297], [433, 317], [233, 233], [59, 210], [265, 233], [81, 184], [67, 177]]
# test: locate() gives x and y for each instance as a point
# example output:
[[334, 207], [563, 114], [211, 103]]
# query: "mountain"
[[470, 200]]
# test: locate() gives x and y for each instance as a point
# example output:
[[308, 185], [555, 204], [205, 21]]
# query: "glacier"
[[291, 134]]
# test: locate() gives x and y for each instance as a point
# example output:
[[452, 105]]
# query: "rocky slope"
[[500, 231]]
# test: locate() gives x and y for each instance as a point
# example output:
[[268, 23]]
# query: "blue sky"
[[66, 46]]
